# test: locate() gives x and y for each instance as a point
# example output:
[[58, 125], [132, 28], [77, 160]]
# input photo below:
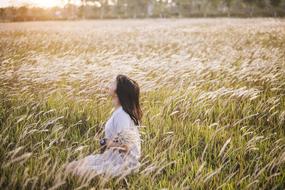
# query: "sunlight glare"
[[44, 3]]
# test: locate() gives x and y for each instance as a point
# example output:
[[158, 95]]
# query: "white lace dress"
[[113, 163]]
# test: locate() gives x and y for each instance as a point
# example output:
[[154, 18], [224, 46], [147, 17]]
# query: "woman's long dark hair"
[[128, 92]]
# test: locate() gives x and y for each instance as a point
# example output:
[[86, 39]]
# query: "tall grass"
[[213, 96]]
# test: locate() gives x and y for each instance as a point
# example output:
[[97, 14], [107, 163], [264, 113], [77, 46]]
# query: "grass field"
[[213, 96]]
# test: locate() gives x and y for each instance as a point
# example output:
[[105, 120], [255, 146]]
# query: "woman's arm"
[[114, 145], [121, 122]]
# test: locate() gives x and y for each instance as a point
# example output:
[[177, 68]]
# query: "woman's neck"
[[117, 106]]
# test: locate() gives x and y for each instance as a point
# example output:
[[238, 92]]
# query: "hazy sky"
[[40, 3]]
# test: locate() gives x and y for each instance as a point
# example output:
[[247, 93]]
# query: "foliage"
[[102, 9]]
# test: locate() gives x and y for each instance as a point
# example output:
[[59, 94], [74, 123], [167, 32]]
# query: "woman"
[[122, 140]]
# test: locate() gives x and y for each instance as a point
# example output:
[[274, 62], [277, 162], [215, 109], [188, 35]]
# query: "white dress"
[[112, 163]]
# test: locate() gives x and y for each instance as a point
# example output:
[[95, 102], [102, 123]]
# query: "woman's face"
[[112, 93]]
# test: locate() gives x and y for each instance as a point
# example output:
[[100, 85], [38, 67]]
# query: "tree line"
[[104, 9]]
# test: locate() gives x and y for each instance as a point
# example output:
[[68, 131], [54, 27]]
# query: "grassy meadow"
[[212, 92]]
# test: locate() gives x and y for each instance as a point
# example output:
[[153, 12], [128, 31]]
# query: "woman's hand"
[[109, 143], [116, 146]]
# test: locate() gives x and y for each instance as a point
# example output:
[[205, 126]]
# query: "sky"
[[38, 3]]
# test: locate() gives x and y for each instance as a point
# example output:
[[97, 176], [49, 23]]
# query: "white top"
[[119, 121]]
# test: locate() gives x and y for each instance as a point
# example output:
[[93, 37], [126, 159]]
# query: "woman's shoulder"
[[121, 116], [121, 113]]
